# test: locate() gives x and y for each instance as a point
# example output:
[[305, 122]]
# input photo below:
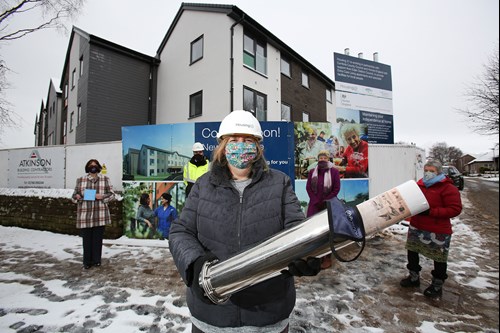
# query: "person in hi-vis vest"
[[195, 168]]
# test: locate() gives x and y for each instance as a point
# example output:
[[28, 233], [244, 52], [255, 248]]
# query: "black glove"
[[301, 267], [425, 212], [195, 285]]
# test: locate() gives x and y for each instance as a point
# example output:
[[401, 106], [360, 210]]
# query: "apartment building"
[[212, 60], [55, 117], [216, 58], [40, 126], [104, 86]]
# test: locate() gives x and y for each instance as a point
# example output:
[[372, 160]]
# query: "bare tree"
[[7, 117], [482, 94], [444, 154], [53, 15]]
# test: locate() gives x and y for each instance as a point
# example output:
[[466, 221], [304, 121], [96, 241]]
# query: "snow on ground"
[[44, 289]]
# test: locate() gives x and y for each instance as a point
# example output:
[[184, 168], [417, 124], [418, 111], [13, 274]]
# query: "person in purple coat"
[[323, 184]]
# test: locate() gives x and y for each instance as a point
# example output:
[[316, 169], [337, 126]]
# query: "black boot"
[[435, 290], [412, 280]]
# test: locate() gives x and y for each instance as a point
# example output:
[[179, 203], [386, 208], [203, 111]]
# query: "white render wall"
[[392, 165], [269, 85], [177, 79], [331, 110], [76, 156]]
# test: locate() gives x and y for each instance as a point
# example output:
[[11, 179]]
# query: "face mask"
[[198, 158], [322, 164], [240, 154], [94, 169], [429, 175]]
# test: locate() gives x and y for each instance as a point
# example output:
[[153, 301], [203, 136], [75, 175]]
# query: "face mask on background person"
[[323, 164], [198, 160], [241, 154], [92, 169], [428, 175]]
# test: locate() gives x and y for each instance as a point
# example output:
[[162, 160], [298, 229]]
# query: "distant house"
[[462, 162], [483, 162]]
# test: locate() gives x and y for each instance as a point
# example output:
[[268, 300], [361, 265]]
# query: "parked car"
[[455, 175]]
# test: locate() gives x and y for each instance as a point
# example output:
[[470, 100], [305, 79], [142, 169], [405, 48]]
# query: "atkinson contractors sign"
[[33, 168]]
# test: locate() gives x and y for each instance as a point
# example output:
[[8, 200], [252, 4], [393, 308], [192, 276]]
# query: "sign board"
[[34, 168], [365, 88]]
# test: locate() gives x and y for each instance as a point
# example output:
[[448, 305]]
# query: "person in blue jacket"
[[166, 215]]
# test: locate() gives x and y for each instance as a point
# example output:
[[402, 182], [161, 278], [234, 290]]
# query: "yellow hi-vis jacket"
[[193, 172]]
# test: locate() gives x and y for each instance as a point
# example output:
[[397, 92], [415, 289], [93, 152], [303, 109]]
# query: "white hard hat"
[[240, 122], [198, 147]]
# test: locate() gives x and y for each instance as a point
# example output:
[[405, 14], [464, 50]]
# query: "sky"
[[42, 286], [434, 48]]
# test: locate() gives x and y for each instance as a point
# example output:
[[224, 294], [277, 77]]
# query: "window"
[[305, 80], [79, 114], [197, 49], [71, 121], [66, 95], [255, 102], [254, 54], [196, 104], [81, 65], [285, 68], [305, 117], [286, 112], [329, 95], [73, 78]]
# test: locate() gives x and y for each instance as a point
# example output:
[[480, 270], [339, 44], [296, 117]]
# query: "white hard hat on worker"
[[198, 147], [240, 122]]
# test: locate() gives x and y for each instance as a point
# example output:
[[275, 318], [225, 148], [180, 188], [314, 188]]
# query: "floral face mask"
[[241, 154]]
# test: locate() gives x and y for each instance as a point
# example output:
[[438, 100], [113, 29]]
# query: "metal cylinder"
[[310, 238]]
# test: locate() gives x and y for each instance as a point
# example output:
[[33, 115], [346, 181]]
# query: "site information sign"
[[361, 72], [364, 93], [31, 168]]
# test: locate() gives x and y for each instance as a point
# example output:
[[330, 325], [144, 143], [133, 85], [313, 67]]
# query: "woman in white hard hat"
[[237, 204]]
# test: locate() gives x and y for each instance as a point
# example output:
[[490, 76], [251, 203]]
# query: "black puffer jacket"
[[214, 219]]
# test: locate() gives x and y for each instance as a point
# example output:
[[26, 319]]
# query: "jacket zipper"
[[239, 220]]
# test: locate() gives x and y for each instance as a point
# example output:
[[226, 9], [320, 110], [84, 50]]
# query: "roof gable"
[[246, 21]]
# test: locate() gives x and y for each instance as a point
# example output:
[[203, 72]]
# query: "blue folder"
[[89, 195]]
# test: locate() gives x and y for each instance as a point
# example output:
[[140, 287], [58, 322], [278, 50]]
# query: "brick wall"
[[52, 214], [311, 100]]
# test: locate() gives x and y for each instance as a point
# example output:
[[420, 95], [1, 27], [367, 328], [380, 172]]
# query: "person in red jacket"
[[355, 157], [430, 232]]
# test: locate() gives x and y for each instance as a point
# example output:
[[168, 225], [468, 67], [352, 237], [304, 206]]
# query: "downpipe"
[[310, 238]]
